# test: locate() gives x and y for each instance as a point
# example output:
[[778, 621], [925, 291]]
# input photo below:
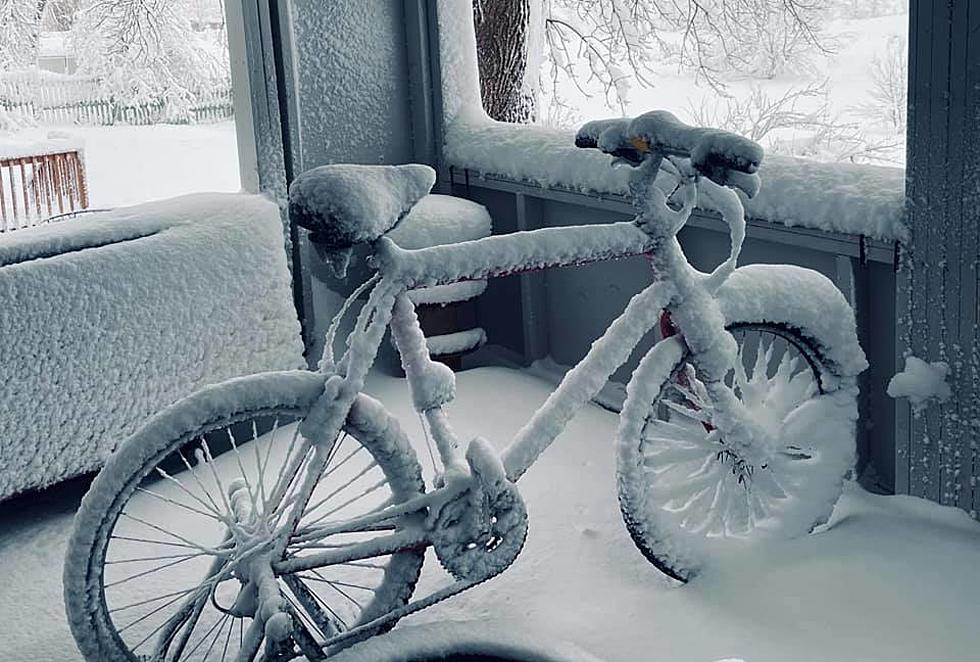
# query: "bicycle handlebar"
[[724, 157]]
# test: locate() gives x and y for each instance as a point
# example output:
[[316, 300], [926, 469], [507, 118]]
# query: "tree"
[[145, 50], [502, 47], [20, 25], [618, 40]]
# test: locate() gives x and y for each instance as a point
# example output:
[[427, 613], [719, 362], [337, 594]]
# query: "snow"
[[55, 142], [503, 254], [891, 579], [346, 204], [441, 219], [110, 317], [806, 300], [451, 293], [127, 165], [456, 343], [852, 199], [921, 382]]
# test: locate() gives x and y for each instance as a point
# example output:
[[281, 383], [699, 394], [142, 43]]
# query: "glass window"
[[824, 80], [141, 90]]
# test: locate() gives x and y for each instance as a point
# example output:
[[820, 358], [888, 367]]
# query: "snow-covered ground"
[[126, 165], [892, 579]]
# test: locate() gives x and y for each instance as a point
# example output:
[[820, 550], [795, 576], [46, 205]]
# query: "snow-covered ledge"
[[845, 198], [108, 318]]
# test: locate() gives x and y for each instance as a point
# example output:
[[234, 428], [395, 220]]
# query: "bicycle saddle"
[[343, 205], [716, 154]]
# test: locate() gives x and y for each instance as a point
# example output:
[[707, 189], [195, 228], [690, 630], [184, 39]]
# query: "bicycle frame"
[[651, 233], [684, 293]]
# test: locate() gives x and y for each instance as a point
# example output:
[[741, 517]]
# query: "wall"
[[352, 81], [940, 305]]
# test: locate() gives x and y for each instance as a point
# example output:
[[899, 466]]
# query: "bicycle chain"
[[368, 629]]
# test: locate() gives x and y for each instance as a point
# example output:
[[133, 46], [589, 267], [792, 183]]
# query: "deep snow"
[[127, 165], [892, 579]]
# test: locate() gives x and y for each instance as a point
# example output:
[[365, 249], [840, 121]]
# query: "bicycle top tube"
[[506, 254]]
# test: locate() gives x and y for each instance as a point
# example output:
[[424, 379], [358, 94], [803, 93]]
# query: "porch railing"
[[35, 187]]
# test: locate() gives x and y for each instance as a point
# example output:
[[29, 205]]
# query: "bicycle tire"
[[685, 498], [215, 410]]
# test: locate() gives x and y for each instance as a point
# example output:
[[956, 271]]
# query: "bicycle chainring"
[[478, 535]]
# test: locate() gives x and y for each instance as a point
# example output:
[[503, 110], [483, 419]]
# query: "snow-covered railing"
[[40, 180]]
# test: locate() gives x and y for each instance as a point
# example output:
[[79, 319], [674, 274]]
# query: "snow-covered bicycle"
[[738, 424]]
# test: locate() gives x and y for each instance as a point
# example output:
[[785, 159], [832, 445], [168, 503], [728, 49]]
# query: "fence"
[[51, 98], [34, 187]]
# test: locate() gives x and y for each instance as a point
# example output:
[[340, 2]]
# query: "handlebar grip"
[[711, 150], [724, 157]]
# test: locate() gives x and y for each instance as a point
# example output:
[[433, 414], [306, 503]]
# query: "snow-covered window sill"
[[851, 199], [845, 198]]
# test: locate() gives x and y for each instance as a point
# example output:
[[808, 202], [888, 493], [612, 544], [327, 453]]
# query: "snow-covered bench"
[[109, 318]]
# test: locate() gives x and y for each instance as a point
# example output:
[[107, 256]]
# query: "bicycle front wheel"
[[156, 565], [686, 494]]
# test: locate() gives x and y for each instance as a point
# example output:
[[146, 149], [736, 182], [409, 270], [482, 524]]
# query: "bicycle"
[[738, 423]]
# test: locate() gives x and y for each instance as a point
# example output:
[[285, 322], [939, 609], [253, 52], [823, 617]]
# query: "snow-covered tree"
[[20, 24], [144, 51], [614, 43]]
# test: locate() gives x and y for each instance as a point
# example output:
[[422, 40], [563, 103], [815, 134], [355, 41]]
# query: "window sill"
[[849, 199]]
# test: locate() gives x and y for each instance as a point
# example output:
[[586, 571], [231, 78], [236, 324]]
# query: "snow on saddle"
[[343, 204]]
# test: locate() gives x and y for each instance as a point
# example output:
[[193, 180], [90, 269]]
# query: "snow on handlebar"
[[723, 157]]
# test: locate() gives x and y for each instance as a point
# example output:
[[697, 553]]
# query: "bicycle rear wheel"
[[686, 495], [153, 569]]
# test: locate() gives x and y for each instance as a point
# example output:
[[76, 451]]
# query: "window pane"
[[143, 90], [810, 78]]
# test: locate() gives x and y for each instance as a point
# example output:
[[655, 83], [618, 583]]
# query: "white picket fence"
[[51, 98]]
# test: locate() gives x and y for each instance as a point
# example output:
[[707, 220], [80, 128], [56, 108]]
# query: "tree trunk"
[[502, 28]]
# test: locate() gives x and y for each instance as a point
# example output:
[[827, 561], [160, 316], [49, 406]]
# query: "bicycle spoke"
[[370, 490], [350, 482], [215, 511], [205, 451], [260, 476], [157, 610], [192, 471], [217, 635], [148, 572], [163, 557], [241, 468], [224, 650], [178, 504], [323, 603], [338, 589], [204, 638], [320, 578], [206, 550], [149, 600], [692, 414], [166, 623]]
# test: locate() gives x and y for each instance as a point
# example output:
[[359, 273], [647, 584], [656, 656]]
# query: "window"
[[142, 90], [824, 80]]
